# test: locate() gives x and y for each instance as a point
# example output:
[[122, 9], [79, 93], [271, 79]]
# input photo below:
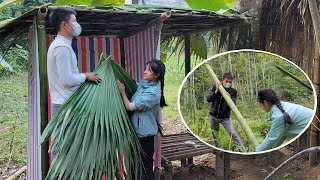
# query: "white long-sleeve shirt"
[[63, 72]]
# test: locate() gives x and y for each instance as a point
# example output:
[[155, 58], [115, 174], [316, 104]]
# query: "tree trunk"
[[255, 74], [239, 117], [247, 78], [250, 76]]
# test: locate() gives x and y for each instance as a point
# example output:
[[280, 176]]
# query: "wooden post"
[[187, 54], [234, 109], [314, 11], [222, 165], [314, 141], [183, 161], [122, 54], [42, 51], [190, 160]]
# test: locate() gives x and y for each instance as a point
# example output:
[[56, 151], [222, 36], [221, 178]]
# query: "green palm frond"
[[93, 131]]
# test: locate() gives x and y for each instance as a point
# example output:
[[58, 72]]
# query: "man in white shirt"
[[63, 74]]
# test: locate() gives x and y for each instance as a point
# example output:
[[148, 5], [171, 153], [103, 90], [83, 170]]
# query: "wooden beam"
[[122, 54], [187, 54], [157, 20]]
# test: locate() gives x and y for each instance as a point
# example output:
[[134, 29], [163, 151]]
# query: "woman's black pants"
[[147, 144]]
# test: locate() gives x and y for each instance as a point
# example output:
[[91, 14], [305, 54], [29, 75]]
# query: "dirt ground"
[[248, 167], [243, 167]]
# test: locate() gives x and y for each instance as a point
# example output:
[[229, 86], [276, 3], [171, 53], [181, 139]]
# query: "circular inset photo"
[[247, 101]]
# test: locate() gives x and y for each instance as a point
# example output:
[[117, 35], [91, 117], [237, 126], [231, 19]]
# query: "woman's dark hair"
[[270, 96], [60, 14], [159, 68]]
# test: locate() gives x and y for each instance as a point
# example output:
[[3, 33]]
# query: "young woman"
[[145, 104], [288, 119]]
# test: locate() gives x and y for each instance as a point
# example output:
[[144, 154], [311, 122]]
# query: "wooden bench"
[[173, 148]]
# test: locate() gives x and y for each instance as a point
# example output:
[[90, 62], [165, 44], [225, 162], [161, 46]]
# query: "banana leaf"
[[93, 133]]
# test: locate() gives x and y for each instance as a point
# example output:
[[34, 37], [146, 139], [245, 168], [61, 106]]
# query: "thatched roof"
[[128, 19], [286, 29]]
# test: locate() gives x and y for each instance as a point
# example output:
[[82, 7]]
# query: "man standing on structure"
[[63, 73], [220, 111]]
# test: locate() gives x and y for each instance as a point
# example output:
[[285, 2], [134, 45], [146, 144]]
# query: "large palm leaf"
[[93, 131]]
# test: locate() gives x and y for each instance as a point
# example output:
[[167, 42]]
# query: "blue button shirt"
[[146, 102], [279, 131]]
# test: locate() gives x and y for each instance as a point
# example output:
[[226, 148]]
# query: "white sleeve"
[[132, 106], [63, 61]]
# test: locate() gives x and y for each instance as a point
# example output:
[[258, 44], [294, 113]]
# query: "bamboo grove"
[[252, 71]]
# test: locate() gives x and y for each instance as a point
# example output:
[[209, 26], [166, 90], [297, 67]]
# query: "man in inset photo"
[[220, 111]]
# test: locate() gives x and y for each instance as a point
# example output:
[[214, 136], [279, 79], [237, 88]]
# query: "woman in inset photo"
[[288, 119]]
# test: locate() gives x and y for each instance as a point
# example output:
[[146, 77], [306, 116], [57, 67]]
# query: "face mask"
[[227, 85], [76, 29]]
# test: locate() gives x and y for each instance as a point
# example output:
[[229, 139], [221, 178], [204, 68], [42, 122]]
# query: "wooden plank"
[[170, 145], [196, 153], [180, 136], [168, 135], [179, 139], [188, 151], [182, 148]]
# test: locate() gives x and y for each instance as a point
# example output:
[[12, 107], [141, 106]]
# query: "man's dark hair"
[[227, 75], [59, 15]]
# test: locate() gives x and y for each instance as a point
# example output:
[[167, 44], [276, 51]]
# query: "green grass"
[[13, 117], [256, 121], [173, 79]]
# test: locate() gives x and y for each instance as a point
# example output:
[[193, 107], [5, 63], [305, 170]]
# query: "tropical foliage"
[[93, 132], [220, 6]]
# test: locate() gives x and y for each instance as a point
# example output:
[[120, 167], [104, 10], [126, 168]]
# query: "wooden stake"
[[314, 11]]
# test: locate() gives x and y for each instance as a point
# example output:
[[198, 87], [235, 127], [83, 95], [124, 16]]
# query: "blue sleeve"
[[275, 136], [146, 100]]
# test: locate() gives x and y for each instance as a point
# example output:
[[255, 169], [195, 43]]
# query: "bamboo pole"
[[294, 77], [315, 124], [42, 51], [18, 173], [314, 11], [234, 109]]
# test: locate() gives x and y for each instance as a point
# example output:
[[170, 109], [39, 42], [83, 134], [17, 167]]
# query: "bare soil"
[[243, 167]]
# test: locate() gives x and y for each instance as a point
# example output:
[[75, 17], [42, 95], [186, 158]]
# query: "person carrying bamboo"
[[220, 111], [288, 119], [145, 105], [63, 74]]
